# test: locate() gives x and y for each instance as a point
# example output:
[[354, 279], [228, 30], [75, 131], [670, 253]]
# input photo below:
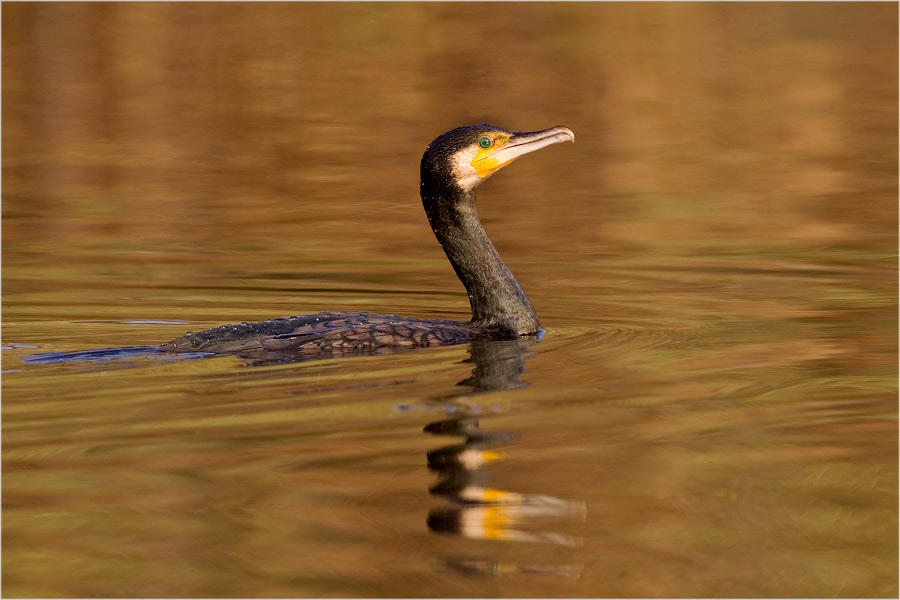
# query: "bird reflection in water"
[[478, 511]]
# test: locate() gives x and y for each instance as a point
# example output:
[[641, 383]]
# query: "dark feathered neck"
[[494, 293]]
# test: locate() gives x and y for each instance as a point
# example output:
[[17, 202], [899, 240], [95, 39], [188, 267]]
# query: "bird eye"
[[485, 142]]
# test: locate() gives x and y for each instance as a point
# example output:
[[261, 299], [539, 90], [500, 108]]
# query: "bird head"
[[467, 155]]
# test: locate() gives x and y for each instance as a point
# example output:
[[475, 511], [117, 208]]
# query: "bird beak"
[[519, 144]]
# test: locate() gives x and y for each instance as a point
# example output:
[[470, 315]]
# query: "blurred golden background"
[[298, 127]]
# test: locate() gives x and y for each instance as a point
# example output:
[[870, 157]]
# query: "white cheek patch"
[[462, 170]]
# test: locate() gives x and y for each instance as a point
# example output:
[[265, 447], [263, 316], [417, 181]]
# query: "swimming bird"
[[453, 165]]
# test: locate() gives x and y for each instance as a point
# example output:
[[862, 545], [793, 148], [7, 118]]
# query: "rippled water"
[[711, 412]]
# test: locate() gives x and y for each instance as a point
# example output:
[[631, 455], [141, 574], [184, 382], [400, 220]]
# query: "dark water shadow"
[[103, 355], [124, 355], [474, 510]]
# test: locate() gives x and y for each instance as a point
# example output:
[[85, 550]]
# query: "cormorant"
[[453, 165]]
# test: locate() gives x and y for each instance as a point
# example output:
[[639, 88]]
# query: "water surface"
[[711, 412]]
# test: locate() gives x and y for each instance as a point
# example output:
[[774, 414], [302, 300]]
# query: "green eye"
[[485, 142]]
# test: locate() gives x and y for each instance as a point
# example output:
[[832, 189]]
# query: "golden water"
[[712, 411]]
